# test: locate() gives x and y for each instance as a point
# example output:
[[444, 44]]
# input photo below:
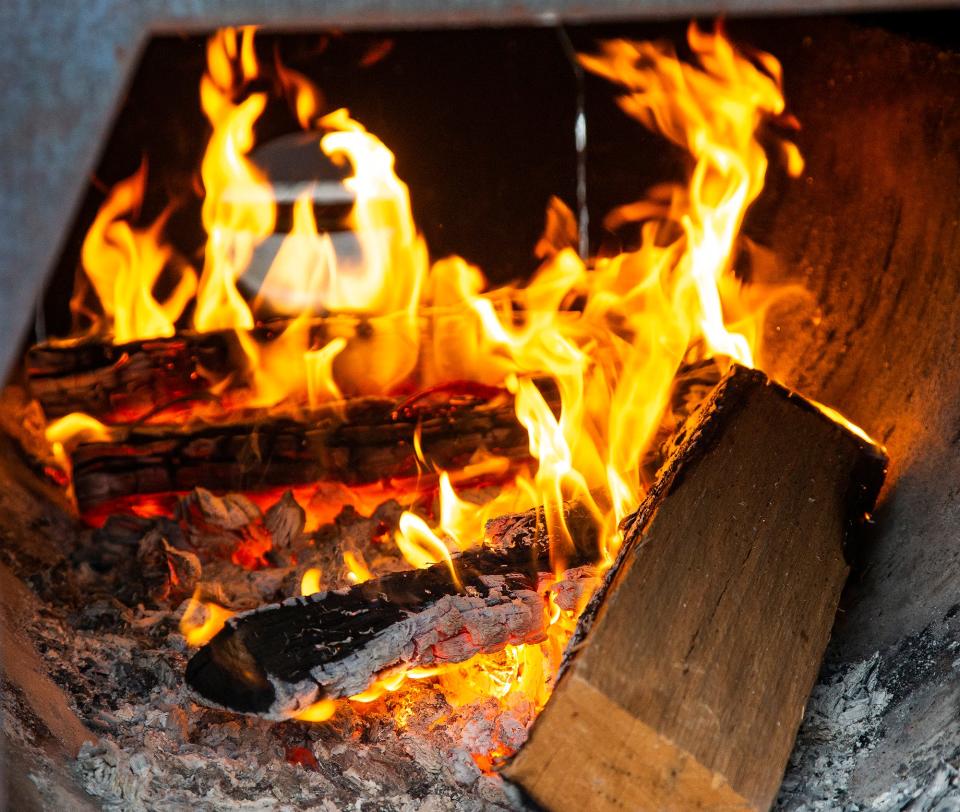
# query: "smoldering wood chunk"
[[361, 441], [685, 682], [137, 560], [369, 539], [537, 532], [285, 521], [168, 575], [575, 587], [278, 659], [229, 512], [219, 526]]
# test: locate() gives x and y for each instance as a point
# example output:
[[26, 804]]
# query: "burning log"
[[277, 660], [686, 680], [361, 441], [132, 379]]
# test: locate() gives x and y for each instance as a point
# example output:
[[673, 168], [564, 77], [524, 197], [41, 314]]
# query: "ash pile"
[[111, 631]]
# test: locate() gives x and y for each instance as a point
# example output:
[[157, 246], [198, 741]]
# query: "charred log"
[[131, 380], [279, 659], [362, 441]]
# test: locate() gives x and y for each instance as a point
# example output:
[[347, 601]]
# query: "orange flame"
[[123, 264], [607, 334], [202, 620]]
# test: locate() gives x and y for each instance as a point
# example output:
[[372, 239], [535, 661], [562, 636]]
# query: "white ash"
[[454, 629], [863, 718], [122, 667], [157, 750], [844, 713]]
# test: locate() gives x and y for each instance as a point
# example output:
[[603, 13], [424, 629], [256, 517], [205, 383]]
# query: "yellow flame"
[[238, 207], [77, 427], [124, 264], [202, 620], [358, 570], [421, 547], [321, 386], [310, 582], [849, 425], [319, 711]]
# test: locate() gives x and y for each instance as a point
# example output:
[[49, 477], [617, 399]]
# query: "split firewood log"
[[686, 679]]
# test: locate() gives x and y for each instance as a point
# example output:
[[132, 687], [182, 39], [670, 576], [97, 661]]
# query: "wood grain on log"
[[691, 666], [276, 660], [362, 441]]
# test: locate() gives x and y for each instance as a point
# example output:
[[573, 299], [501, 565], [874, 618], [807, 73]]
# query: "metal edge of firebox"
[[65, 65]]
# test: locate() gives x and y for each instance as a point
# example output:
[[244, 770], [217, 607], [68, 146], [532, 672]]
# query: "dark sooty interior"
[[870, 230]]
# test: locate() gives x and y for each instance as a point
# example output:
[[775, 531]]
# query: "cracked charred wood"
[[128, 381], [361, 441], [277, 660], [686, 679]]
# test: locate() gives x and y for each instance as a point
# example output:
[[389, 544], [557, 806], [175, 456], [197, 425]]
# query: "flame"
[[358, 571], [421, 547], [319, 711], [310, 582], [602, 337], [77, 427], [238, 208], [202, 620], [124, 264]]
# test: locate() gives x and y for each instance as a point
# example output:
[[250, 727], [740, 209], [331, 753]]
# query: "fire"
[[202, 620], [608, 334], [310, 581], [358, 571], [319, 711], [124, 264]]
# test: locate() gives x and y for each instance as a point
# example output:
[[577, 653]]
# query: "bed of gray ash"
[[119, 654], [865, 714]]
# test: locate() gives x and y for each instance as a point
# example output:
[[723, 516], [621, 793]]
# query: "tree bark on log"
[[277, 660], [685, 682]]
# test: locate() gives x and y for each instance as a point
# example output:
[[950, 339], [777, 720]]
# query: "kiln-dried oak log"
[[279, 659], [365, 440], [692, 664]]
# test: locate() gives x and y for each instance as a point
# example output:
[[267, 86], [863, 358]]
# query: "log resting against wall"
[[277, 660], [691, 666]]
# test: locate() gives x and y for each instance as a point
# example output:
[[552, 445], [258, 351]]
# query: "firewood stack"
[[169, 434]]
